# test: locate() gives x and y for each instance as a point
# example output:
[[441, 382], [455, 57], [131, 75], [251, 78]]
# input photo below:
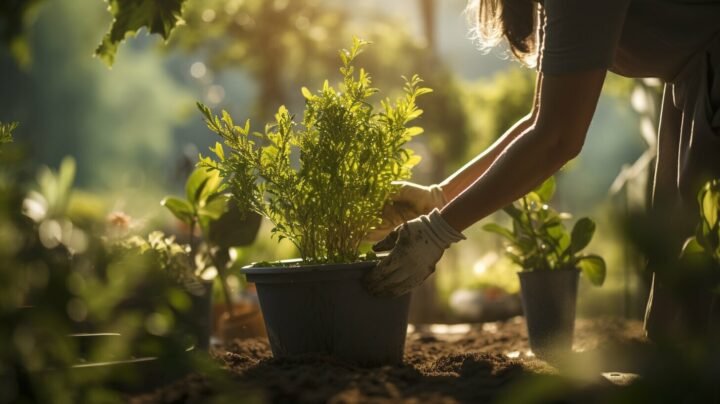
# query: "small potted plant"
[[551, 263], [222, 226], [322, 182]]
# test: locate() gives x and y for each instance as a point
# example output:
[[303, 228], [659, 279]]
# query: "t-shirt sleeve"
[[580, 35]]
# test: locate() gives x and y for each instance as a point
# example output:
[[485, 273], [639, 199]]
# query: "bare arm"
[[456, 183], [564, 109]]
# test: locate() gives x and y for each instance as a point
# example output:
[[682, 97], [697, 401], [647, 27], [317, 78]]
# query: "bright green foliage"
[[54, 188], [539, 241], [205, 201], [170, 257], [704, 247], [6, 130], [323, 182], [129, 16]]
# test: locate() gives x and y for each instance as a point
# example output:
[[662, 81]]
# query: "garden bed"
[[443, 363]]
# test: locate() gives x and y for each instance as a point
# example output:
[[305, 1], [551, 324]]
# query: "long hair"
[[516, 21]]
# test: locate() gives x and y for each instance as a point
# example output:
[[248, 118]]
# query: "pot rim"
[[525, 272], [311, 268]]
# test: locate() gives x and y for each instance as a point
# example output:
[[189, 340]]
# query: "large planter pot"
[[325, 309], [549, 300]]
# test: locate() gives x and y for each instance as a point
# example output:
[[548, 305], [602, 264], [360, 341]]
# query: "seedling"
[[322, 182], [539, 241]]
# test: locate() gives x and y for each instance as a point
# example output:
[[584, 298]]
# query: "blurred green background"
[[135, 133]]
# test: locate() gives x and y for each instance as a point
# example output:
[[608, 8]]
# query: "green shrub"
[[539, 241], [322, 182]]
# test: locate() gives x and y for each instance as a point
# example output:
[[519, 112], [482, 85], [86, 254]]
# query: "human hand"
[[411, 201], [416, 246]]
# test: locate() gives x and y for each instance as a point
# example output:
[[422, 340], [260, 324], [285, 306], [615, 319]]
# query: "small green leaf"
[[546, 190], [215, 208], [219, 152], [710, 205], [178, 207], [593, 267], [306, 93], [497, 229], [414, 131], [581, 234], [195, 184]]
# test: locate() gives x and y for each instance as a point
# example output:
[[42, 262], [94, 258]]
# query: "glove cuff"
[[444, 233], [437, 195]]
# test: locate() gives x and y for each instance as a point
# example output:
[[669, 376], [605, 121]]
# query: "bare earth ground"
[[458, 363]]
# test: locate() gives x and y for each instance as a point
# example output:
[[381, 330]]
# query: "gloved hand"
[[411, 201], [416, 247]]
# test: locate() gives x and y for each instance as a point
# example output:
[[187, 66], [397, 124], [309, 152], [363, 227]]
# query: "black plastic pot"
[[325, 309], [549, 300]]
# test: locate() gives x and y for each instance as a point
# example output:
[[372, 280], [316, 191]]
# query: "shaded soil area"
[[443, 363]]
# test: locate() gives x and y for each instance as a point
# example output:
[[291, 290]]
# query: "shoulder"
[[580, 34]]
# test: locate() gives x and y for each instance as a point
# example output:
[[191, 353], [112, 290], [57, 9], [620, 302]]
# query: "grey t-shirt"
[[634, 38]]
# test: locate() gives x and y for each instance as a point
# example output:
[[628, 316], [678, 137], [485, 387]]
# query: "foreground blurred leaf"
[[180, 208], [593, 267], [129, 16], [546, 190], [581, 235]]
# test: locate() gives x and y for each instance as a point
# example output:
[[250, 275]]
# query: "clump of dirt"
[[460, 363]]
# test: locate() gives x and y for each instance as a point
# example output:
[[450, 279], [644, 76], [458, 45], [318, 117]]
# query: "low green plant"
[[703, 249], [204, 203], [6, 130], [222, 226], [322, 182], [539, 241]]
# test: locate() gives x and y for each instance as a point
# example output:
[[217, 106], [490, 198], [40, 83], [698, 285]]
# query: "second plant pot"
[[549, 300], [325, 309]]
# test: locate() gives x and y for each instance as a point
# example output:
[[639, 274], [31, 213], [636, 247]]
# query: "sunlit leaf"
[[593, 267], [178, 207], [195, 184], [546, 190], [129, 16], [214, 209], [710, 206]]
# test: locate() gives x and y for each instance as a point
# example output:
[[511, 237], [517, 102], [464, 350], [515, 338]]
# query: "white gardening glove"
[[409, 202], [416, 247]]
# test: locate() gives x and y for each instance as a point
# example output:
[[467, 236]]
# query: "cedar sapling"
[[323, 181]]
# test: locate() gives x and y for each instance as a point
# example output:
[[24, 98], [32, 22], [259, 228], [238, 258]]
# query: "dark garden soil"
[[457, 363]]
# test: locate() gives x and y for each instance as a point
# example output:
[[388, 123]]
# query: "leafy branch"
[[129, 16]]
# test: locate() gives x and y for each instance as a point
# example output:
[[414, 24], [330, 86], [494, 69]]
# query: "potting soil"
[[459, 363]]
